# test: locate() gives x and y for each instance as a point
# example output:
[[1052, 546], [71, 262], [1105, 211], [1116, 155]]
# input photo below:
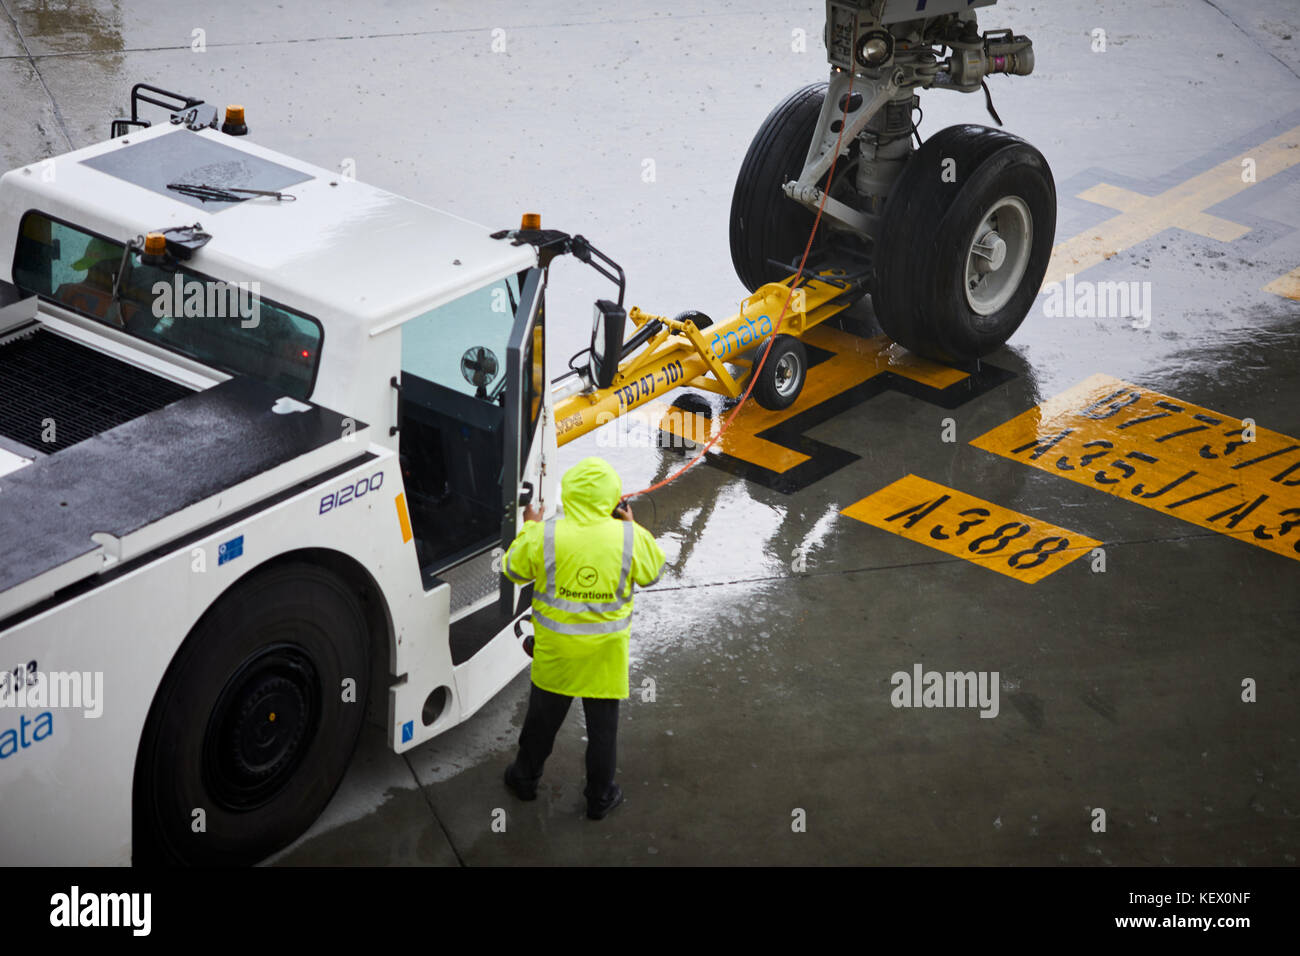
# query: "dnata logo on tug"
[[724, 343]]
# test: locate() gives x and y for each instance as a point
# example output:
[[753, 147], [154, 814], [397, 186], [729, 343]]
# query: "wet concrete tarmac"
[[762, 725]]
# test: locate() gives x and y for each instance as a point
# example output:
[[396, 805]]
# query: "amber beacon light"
[[234, 124]]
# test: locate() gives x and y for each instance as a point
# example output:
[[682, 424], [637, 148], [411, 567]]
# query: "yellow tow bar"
[[680, 355]]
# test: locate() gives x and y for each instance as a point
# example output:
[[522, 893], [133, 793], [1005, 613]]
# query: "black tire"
[[920, 292], [765, 222], [276, 648], [781, 378], [701, 320]]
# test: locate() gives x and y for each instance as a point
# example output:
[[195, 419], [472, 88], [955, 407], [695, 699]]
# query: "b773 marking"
[[972, 529], [1208, 468]]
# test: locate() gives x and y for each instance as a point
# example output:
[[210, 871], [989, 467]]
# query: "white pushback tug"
[[254, 472]]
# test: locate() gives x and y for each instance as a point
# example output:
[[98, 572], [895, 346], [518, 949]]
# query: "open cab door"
[[486, 645], [475, 447], [530, 438], [479, 444]]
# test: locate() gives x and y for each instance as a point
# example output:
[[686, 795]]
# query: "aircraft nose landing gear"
[[956, 233]]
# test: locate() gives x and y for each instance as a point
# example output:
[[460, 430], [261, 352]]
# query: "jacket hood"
[[590, 490]]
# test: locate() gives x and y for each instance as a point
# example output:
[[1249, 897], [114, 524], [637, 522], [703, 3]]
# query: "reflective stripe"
[[582, 627], [627, 559], [548, 554], [563, 604], [505, 566]]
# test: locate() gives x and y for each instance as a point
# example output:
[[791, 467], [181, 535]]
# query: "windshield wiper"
[[207, 193]]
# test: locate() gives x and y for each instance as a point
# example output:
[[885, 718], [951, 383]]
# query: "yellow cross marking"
[[1201, 223], [1287, 285], [1179, 207]]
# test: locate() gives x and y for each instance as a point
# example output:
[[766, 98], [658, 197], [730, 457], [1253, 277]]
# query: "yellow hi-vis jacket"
[[582, 568]]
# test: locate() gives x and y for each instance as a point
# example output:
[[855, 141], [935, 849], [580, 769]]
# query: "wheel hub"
[[261, 727], [998, 255], [268, 727], [991, 252], [787, 374]]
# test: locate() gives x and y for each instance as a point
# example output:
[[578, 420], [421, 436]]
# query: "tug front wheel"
[[253, 726], [964, 245]]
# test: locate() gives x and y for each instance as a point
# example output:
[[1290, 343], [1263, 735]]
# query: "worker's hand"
[[532, 512], [624, 511]]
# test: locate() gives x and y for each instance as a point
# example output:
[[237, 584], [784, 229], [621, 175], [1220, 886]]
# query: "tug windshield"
[[226, 325]]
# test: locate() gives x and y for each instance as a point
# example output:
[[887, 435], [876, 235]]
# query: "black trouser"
[[546, 712]]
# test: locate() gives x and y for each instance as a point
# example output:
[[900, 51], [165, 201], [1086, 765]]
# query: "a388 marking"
[[1025, 548]]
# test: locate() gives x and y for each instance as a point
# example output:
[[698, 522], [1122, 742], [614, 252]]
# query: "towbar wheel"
[[781, 379]]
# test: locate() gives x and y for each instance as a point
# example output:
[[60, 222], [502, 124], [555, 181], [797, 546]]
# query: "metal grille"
[[54, 388], [471, 581]]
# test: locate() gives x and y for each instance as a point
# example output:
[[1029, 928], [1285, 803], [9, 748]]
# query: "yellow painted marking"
[[1287, 285], [1201, 223], [855, 360], [1180, 207], [885, 356], [1166, 454], [403, 518], [971, 528]]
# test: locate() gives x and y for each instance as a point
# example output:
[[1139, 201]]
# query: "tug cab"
[[264, 430]]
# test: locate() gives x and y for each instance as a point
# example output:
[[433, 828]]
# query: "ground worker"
[[582, 568]]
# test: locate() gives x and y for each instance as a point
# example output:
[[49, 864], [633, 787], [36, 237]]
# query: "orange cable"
[[775, 331]]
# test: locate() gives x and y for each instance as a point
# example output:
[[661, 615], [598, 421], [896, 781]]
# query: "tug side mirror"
[[607, 328]]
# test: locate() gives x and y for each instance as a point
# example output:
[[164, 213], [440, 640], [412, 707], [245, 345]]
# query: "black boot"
[[598, 810], [521, 788]]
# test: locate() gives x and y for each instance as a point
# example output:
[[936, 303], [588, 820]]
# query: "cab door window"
[[452, 421]]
